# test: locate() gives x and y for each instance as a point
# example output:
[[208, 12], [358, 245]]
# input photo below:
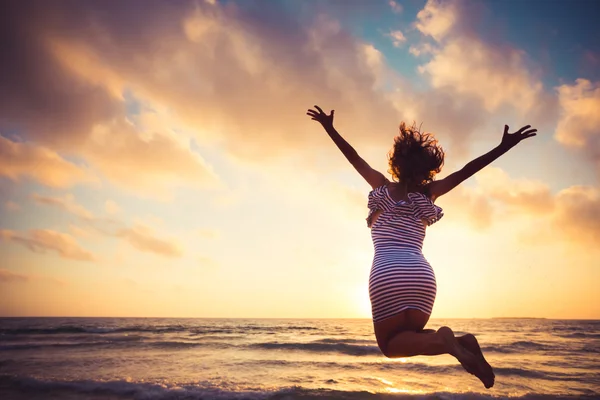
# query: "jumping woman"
[[402, 285]]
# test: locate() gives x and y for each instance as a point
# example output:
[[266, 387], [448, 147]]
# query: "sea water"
[[138, 358]]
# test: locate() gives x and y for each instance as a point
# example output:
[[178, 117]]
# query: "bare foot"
[[469, 361], [470, 342]]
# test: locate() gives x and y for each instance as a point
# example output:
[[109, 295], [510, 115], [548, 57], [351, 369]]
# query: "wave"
[[347, 346], [194, 330], [23, 388], [343, 348], [348, 340], [117, 344], [581, 335], [88, 330], [519, 347]]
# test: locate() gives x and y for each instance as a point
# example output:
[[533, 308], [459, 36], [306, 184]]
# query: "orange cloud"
[[465, 205], [142, 238], [67, 203], [139, 236], [149, 163], [572, 214], [522, 194], [579, 124], [7, 276], [201, 69], [22, 159], [577, 215], [45, 240], [209, 74]]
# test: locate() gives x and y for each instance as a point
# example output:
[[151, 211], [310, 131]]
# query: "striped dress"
[[400, 278]]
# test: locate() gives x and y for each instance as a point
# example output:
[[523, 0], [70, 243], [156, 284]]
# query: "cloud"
[[466, 205], [81, 232], [138, 236], [579, 123], [66, 203], [7, 276], [62, 110], [151, 163], [524, 195], [45, 240], [23, 159], [202, 65], [571, 215], [396, 8], [142, 238], [398, 38], [577, 215], [195, 70], [104, 225], [496, 74], [438, 18], [452, 118]]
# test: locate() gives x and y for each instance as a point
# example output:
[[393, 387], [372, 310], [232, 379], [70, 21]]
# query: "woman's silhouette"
[[402, 285]]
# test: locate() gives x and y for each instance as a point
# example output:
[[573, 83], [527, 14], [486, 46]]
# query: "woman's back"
[[400, 224]]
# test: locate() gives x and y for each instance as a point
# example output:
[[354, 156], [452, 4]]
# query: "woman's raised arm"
[[373, 177], [509, 140]]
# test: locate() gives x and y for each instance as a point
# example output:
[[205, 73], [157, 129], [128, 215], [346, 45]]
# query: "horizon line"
[[287, 318]]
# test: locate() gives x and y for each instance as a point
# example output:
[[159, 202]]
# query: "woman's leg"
[[469, 342], [402, 336]]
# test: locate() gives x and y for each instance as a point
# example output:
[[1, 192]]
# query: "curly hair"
[[416, 156]]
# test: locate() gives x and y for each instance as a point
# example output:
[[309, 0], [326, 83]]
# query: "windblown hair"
[[416, 156]]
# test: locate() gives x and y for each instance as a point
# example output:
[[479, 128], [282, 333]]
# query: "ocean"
[[142, 358]]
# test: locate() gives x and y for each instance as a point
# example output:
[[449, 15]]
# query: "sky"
[[157, 160]]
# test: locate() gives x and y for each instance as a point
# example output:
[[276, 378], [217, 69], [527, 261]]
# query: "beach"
[[141, 358]]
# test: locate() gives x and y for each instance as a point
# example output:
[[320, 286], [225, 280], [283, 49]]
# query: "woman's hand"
[[321, 117], [512, 139]]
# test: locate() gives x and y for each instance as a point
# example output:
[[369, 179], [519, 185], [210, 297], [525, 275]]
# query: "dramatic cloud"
[[495, 74], [54, 105], [495, 77], [205, 65], [142, 238], [45, 240], [579, 124], [22, 159]]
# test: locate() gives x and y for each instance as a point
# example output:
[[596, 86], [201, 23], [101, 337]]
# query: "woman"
[[402, 284]]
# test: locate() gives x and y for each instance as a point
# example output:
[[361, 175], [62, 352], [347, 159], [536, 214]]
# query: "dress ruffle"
[[418, 205]]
